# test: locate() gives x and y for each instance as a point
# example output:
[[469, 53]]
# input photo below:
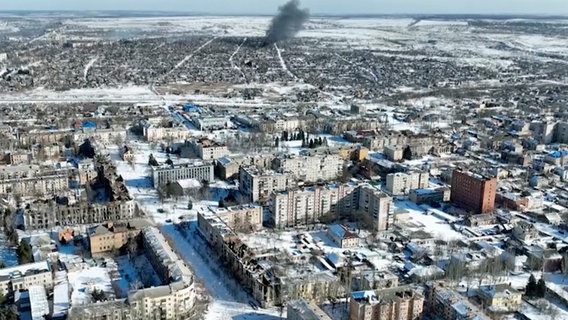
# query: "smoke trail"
[[287, 23]]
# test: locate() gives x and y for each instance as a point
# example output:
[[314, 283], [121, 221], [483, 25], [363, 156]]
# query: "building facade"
[[48, 214], [109, 236], [473, 192], [207, 149], [305, 206], [400, 303], [311, 168], [32, 180], [167, 174], [257, 184], [403, 183], [23, 276]]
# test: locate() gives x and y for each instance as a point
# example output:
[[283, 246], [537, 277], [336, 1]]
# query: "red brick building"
[[473, 192]]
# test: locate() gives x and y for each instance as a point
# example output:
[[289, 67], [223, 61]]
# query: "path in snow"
[[189, 56], [375, 78], [88, 67], [283, 63], [233, 64]]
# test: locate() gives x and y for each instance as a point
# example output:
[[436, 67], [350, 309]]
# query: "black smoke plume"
[[287, 23]]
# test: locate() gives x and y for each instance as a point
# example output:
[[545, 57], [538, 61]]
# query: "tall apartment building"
[[257, 184], [32, 180], [376, 203], [402, 183], [311, 168], [400, 303], [307, 205], [207, 149], [198, 171], [473, 192]]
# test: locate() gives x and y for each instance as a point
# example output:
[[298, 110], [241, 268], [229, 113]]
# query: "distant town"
[[358, 169]]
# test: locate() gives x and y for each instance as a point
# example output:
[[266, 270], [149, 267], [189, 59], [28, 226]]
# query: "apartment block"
[[261, 270], [376, 203], [240, 218], [257, 184], [403, 183], [207, 149], [307, 205], [314, 168], [473, 192], [48, 214], [175, 298], [400, 303], [32, 180], [169, 173], [23, 276], [152, 132]]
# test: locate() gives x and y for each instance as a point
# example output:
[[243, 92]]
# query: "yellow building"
[[108, 237], [501, 296]]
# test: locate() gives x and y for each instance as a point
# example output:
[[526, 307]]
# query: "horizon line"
[[317, 14]]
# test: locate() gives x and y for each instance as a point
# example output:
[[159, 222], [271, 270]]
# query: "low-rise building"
[[500, 297], [24, 276], [303, 310], [110, 236], [430, 196], [342, 236], [207, 149], [400, 303], [443, 302]]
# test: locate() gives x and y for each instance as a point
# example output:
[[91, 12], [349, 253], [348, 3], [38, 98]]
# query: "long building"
[[200, 171], [314, 168], [47, 214], [400, 303], [257, 184], [473, 192], [32, 180], [307, 205]]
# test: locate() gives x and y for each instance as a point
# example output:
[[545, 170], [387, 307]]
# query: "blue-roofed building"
[[190, 107], [88, 125], [342, 236]]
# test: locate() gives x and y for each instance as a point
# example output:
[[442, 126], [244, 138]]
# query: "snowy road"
[[233, 64], [88, 67], [283, 63], [184, 60], [228, 300]]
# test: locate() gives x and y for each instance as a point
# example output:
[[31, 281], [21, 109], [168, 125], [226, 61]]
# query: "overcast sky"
[[555, 7]]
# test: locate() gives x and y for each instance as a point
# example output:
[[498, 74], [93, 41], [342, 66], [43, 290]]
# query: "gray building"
[[170, 173]]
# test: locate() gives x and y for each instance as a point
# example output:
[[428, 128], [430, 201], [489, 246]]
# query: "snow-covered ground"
[[84, 281]]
